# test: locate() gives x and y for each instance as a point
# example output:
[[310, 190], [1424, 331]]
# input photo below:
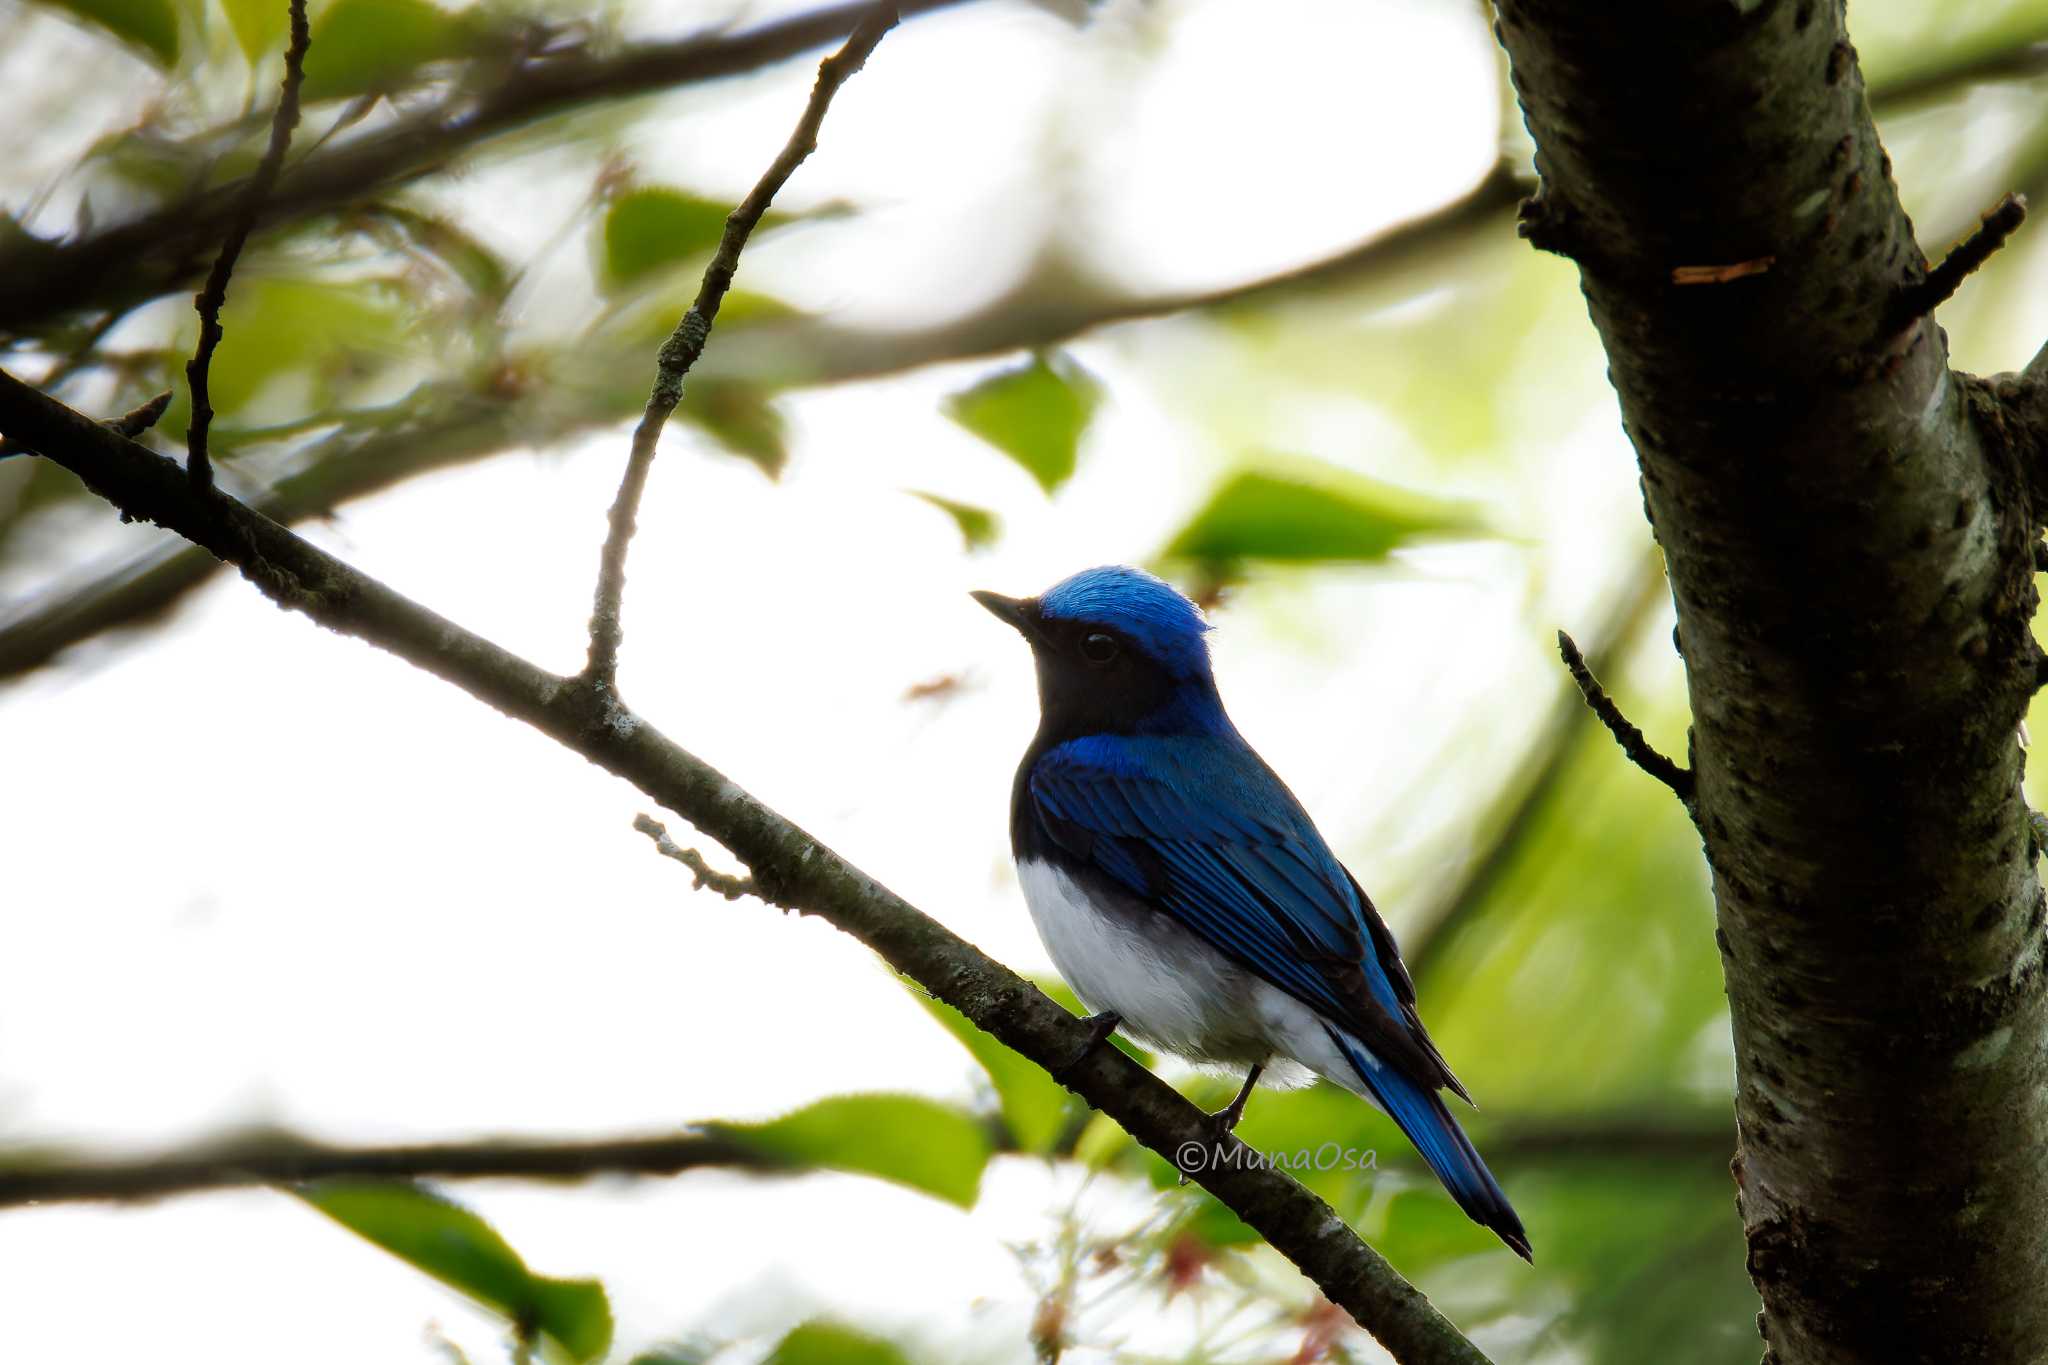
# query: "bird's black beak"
[[1019, 613]]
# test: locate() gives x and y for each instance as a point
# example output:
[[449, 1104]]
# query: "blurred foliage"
[[1599, 938], [978, 526], [655, 227], [827, 1343], [375, 334], [259, 26], [1316, 515], [646, 229], [1036, 1108], [365, 45], [151, 25], [1035, 414], [913, 1141], [462, 1251], [740, 418]]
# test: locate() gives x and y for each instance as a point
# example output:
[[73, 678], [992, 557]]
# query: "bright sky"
[[258, 873]]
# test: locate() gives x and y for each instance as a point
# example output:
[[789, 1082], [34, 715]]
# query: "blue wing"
[[1200, 827]]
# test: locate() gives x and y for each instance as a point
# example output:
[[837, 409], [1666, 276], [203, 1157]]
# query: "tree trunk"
[[1848, 526]]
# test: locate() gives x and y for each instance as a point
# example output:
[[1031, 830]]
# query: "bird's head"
[[1118, 651]]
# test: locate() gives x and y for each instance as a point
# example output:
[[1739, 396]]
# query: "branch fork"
[[686, 343]]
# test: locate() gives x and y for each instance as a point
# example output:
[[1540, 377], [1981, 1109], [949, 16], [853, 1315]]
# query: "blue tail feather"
[[1421, 1114]]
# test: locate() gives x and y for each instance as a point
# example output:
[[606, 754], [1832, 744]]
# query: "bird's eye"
[[1099, 648]]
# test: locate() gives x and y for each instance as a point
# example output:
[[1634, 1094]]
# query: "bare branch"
[[792, 866], [1639, 750], [686, 343], [287, 1159], [215, 295]]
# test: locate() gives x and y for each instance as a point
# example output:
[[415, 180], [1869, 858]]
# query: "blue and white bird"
[[1185, 895]]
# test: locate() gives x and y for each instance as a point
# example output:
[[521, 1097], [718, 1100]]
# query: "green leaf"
[[676, 1353], [1034, 1104], [740, 417], [151, 25], [906, 1139], [1322, 516], [655, 226], [1035, 414], [274, 326], [830, 1343], [464, 1252], [259, 25], [361, 45], [978, 526], [743, 306]]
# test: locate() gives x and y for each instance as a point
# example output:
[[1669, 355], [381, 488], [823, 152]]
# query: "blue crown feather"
[[1151, 611]]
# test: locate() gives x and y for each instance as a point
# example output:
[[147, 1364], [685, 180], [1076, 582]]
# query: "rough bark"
[[1847, 527]]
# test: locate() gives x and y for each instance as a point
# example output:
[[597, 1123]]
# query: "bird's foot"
[[1224, 1120], [1100, 1026]]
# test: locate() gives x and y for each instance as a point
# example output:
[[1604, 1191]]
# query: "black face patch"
[[1094, 680]]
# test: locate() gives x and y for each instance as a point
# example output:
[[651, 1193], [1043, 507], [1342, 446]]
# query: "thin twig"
[[803, 871], [286, 1159], [1639, 750], [686, 343], [707, 877], [1917, 301], [198, 466]]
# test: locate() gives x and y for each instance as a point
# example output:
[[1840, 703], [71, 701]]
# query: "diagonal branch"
[[214, 296], [686, 343], [794, 868]]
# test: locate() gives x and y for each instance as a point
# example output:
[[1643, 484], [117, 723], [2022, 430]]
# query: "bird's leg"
[[1100, 1026], [1226, 1118], [1223, 1120]]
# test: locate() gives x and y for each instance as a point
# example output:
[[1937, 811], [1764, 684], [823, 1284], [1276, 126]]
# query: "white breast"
[[1172, 989], [1176, 992]]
